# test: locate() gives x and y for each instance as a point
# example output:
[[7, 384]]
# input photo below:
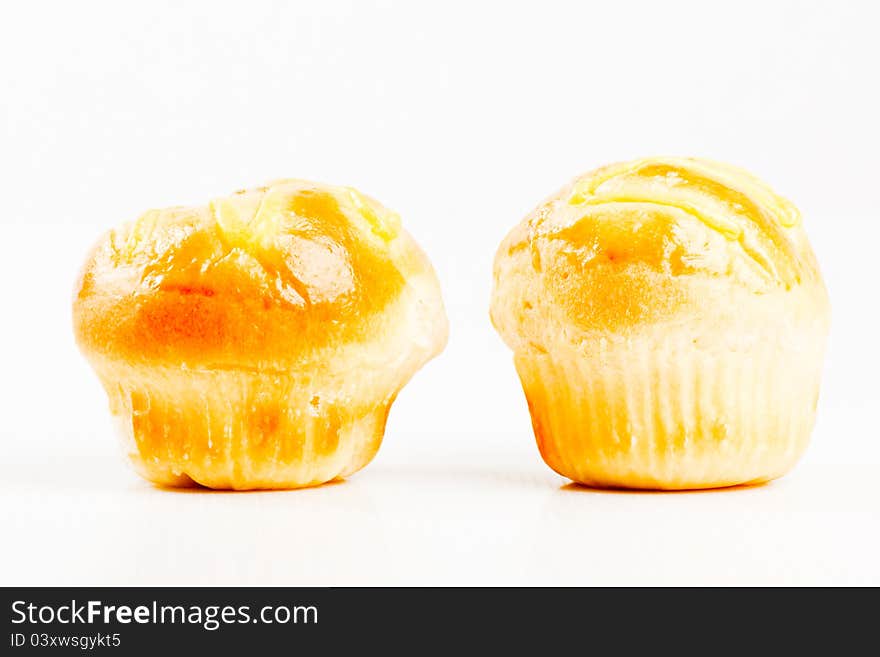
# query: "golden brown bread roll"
[[258, 342], [668, 322]]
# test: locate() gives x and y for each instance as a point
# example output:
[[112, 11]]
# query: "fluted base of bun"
[[239, 429], [670, 413]]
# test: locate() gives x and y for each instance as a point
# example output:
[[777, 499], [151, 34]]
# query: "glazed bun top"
[[647, 242], [269, 277]]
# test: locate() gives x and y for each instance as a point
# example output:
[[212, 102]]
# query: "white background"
[[462, 117]]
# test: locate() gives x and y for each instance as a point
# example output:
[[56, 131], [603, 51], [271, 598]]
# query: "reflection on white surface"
[[427, 518]]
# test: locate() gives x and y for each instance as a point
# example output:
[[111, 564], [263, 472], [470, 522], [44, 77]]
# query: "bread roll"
[[668, 321], [258, 341]]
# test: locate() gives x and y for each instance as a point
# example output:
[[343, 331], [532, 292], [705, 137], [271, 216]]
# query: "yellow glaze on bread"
[[628, 293], [184, 284], [258, 341]]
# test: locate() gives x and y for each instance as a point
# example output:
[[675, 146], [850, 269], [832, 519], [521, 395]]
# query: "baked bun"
[[668, 322], [258, 341]]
